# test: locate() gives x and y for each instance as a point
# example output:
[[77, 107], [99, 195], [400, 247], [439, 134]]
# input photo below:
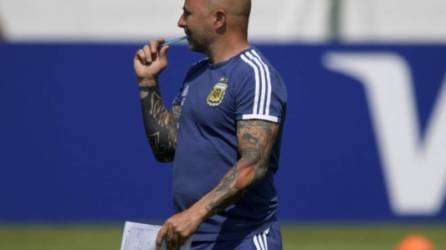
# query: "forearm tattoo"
[[255, 141], [160, 124]]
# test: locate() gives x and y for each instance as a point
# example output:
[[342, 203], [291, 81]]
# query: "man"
[[223, 132]]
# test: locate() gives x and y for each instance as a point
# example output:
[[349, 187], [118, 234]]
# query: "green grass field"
[[303, 237]]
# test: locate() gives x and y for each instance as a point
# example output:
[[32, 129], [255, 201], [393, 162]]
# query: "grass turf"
[[302, 237]]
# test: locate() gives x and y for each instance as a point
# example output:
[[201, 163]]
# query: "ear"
[[220, 19]]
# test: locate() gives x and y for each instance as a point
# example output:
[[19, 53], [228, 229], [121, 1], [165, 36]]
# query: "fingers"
[[161, 236], [154, 44], [180, 241], [163, 52], [148, 55], [172, 243], [174, 240], [141, 56], [152, 51]]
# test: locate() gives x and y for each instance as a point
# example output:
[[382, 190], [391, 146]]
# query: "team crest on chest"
[[218, 92]]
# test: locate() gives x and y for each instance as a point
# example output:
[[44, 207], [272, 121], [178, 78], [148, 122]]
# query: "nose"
[[181, 22]]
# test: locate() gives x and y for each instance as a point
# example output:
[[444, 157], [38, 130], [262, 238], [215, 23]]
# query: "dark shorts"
[[270, 239]]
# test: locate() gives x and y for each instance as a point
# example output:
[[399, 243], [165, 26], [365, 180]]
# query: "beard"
[[195, 44]]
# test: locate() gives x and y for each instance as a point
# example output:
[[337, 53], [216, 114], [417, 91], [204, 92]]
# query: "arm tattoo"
[[160, 124], [255, 141]]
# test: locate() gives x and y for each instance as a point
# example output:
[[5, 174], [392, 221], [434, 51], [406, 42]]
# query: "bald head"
[[233, 7], [216, 25], [237, 12]]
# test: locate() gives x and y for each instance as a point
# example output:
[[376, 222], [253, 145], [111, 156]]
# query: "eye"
[[186, 13]]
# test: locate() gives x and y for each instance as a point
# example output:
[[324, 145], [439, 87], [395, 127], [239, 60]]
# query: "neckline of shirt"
[[221, 64]]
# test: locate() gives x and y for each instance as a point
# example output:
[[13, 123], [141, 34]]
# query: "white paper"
[[139, 236]]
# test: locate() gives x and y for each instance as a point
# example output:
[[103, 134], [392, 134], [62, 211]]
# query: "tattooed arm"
[[255, 141], [160, 124]]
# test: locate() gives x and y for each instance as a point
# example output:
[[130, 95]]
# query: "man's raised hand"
[[149, 62]]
